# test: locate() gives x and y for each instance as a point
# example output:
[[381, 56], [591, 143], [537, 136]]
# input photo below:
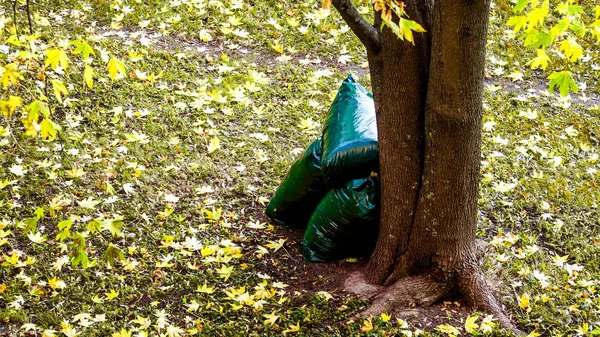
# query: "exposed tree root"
[[412, 292], [472, 286], [356, 284], [481, 248], [409, 292]]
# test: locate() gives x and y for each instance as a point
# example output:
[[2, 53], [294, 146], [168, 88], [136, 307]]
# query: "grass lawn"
[[144, 214]]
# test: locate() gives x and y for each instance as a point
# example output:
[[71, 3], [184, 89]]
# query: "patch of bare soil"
[[288, 266], [254, 53], [343, 280]]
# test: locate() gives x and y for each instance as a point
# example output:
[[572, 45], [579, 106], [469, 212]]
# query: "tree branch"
[[367, 34]]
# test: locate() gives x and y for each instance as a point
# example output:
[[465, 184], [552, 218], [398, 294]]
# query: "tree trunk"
[[428, 101], [399, 77], [429, 125]]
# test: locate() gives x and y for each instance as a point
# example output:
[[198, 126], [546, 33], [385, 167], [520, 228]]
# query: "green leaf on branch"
[[95, 226], [35, 108], [569, 9], [407, 27], [64, 227], [541, 61], [520, 6], [48, 129], [10, 75], [531, 37], [571, 49], [564, 81], [543, 40], [83, 48], [59, 88], [54, 57], [518, 22], [559, 28], [538, 15]]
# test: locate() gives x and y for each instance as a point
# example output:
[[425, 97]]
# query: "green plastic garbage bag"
[[350, 147], [301, 190], [344, 224]]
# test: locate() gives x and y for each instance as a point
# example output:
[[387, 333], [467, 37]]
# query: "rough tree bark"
[[428, 101]]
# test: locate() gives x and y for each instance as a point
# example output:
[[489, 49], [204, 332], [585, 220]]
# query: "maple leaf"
[[541, 60], [292, 328], [36, 108], [75, 172], [54, 283], [571, 49], [407, 27], [213, 145], [470, 325], [83, 48], [112, 294], [54, 57], [10, 75], [224, 271], [69, 331], [214, 215], [564, 81], [325, 295], [115, 67], [208, 251], [113, 226], [367, 325], [448, 330], [112, 254], [17, 170], [205, 289], [519, 22], [270, 318], [37, 237], [49, 333], [12, 104], [48, 129], [89, 203], [276, 245], [488, 324], [193, 306], [88, 76], [537, 16], [524, 302], [122, 333], [256, 225]]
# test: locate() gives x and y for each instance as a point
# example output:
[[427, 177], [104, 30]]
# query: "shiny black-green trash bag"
[[300, 191], [344, 224], [350, 148]]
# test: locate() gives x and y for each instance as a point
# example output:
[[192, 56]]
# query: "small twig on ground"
[[17, 143], [288, 253]]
